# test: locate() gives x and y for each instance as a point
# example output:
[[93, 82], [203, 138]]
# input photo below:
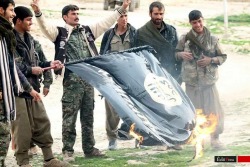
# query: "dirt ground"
[[233, 84]]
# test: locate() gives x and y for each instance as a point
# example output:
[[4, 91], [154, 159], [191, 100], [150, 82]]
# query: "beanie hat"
[[21, 13]]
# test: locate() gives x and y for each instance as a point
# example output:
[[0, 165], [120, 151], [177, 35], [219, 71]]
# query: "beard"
[[157, 21]]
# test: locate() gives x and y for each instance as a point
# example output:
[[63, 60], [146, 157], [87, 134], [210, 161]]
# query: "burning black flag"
[[141, 92]]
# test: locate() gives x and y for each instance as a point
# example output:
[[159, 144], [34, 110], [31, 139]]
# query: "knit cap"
[[22, 12]]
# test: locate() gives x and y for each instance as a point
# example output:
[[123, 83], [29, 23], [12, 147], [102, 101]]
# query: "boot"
[[95, 153]]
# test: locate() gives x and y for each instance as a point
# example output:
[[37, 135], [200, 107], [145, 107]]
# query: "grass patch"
[[138, 157], [236, 42], [149, 157], [241, 18]]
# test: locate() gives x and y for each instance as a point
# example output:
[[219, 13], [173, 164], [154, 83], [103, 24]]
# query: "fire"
[[205, 125], [134, 134]]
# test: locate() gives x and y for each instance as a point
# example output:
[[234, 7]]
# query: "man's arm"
[[180, 54], [43, 62], [102, 26], [26, 70], [50, 31], [26, 85], [221, 57]]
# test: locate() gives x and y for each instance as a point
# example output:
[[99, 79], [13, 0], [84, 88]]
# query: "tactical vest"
[[61, 41]]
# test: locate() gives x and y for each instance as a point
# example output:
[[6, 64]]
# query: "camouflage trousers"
[[4, 135], [78, 95]]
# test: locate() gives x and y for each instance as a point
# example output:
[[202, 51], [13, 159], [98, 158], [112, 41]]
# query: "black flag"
[[141, 92]]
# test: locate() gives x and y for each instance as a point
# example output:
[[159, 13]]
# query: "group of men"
[[193, 59]]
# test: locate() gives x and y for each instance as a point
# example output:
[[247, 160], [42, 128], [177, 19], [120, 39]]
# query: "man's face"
[[197, 25], [72, 18], [25, 24], [157, 16], [123, 20], [9, 13]]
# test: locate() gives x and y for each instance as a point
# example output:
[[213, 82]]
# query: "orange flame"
[[205, 125], [134, 134]]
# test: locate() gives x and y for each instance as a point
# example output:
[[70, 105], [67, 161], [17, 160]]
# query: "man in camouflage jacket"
[[201, 54], [74, 42]]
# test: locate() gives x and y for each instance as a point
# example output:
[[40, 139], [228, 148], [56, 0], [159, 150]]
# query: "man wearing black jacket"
[[32, 123]]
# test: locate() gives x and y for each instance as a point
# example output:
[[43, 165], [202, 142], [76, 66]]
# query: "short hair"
[[5, 3], [68, 8], [123, 11], [21, 13], [195, 15], [157, 4]]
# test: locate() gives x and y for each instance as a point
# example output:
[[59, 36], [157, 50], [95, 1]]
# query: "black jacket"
[[27, 57], [107, 37]]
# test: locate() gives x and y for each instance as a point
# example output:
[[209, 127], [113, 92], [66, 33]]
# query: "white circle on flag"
[[161, 90]]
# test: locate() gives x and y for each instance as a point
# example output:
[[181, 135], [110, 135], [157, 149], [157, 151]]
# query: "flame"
[[134, 134], [205, 125]]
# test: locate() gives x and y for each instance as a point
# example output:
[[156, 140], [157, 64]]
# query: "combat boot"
[[95, 153]]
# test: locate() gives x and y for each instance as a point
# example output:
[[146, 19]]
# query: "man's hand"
[[126, 4], [186, 56], [56, 64], [35, 6], [204, 61], [45, 91], [37, 70], [35, 95]]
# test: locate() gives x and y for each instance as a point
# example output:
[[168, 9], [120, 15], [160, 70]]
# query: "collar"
[[68, 27], [128, 28], [5, 23]]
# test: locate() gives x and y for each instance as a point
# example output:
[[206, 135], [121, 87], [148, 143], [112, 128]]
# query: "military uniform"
[[78, 43], [199, 81]]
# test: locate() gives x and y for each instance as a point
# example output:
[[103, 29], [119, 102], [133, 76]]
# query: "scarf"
[[165, 51], [7, 48], [199, 43], [148, 34]]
